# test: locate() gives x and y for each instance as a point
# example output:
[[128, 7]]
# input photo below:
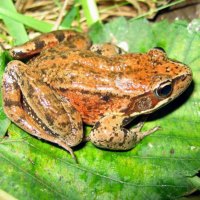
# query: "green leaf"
[[16, 29], [99, 33], [26, 20], [70, 16], [132, 35], [157, 168], [90, 11]]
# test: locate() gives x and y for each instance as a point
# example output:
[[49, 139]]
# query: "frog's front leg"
[[71, 38], [33, 106], [107, 49], [109, 133]]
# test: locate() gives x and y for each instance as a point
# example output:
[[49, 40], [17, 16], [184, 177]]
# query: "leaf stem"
[[90, 11]]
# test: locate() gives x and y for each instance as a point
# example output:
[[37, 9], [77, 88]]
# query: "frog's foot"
[[108, 133], [68, 148], [137, 130]]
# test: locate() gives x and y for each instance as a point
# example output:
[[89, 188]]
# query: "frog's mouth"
[[36, 120]]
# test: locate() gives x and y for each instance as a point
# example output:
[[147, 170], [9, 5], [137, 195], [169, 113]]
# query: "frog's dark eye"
[[164, 90], [160, 48]]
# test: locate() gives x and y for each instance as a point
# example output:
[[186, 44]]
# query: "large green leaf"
[[159, 167]]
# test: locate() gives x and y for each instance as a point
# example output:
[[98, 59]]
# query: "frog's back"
[[89, 72], [95, 84]]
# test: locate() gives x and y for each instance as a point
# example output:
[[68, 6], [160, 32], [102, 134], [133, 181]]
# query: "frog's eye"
[[160, 48], [164, 89]]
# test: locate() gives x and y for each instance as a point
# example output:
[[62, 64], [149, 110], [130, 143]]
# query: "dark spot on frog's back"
[[59, 36], [39, 44], [86, 54], [63, 55], [71, 45], [106, 98], [52, 50]]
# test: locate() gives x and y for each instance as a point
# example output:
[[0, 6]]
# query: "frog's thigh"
[[68, 134], [13, 106], [60, 118], [109, 133]]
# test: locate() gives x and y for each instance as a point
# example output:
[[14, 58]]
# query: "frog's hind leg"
[[72, 39], [16, 107], [109, 133]]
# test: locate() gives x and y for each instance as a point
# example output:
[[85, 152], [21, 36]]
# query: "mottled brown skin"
[[70, 81]]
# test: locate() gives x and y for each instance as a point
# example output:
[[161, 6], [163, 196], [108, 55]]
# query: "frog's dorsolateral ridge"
[[68, 81]]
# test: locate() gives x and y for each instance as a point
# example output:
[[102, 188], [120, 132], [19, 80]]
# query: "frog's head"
[[164, 80]]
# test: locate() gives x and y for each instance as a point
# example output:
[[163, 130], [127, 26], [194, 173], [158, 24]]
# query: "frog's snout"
[[182, 82]]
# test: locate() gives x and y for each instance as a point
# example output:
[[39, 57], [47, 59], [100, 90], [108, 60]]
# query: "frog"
[[60, 81]]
